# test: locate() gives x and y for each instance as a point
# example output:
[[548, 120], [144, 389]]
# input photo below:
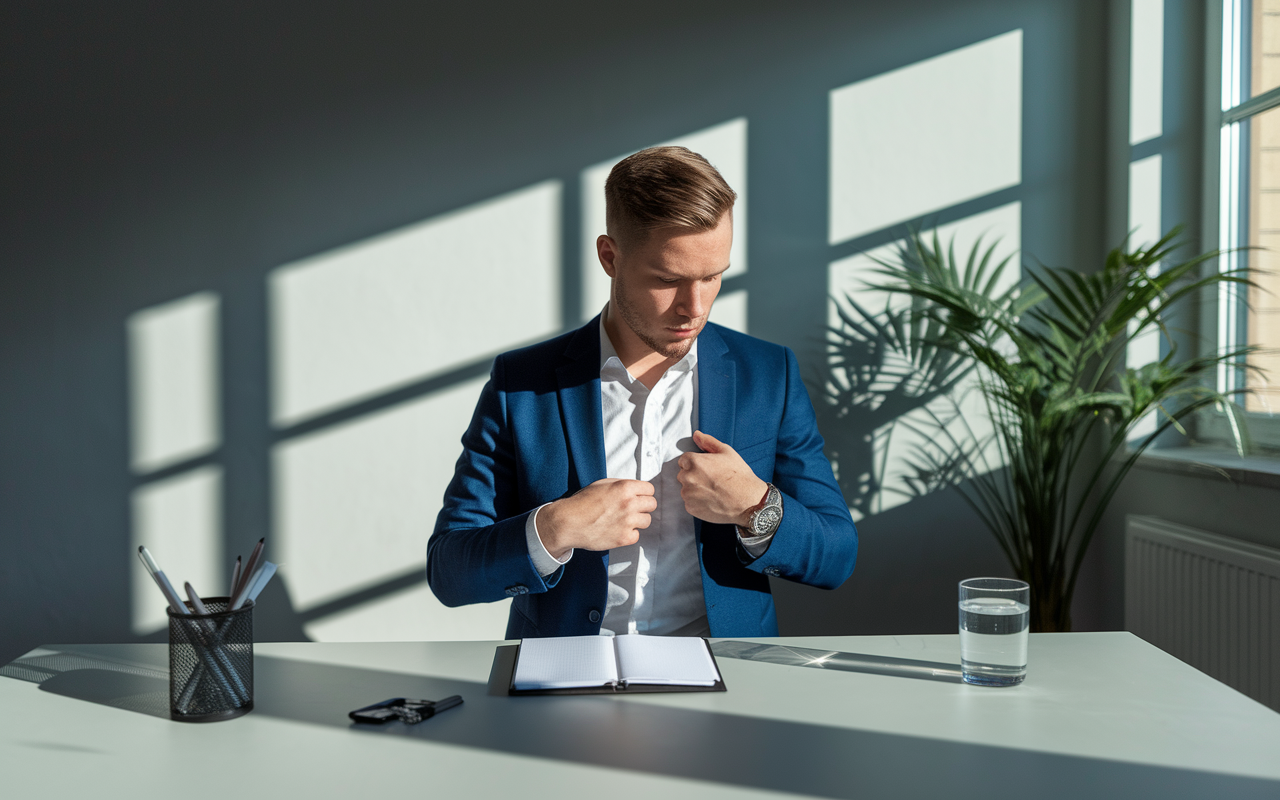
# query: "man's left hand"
[[717, 485]]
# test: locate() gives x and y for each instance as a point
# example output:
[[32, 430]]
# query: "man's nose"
[[692, 300]]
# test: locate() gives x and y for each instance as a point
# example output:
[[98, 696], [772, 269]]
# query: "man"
[[646, 472]]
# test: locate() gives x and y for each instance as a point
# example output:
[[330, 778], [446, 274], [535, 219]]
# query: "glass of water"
[[994, 618]]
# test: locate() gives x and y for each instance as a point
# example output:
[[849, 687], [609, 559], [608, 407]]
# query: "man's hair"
[[664, 187]]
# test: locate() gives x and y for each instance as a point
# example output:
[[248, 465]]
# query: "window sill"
[[1214, 462]]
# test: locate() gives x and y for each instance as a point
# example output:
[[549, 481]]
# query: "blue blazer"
[[538, 435]]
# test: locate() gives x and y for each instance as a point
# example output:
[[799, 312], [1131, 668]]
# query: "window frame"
[[1214, 428]]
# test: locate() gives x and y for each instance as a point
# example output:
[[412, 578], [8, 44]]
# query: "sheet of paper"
[[565, 662], [672, 660]]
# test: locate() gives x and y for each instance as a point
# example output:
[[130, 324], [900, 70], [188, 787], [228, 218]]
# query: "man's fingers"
[[707, 442]]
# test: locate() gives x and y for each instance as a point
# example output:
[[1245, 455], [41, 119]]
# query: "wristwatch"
[[766, 517]]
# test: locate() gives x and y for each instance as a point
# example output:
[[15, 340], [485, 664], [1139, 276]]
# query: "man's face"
[[663, 287]]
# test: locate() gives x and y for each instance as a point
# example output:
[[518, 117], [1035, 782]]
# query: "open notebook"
[[585, 664]]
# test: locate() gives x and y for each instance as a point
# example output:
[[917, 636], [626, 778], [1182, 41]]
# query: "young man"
[[646, 472]]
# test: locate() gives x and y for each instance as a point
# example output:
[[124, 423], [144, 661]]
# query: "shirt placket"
[[649, 466]]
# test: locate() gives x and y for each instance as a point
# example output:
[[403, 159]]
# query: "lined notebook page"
[[672, 660], [565, 662]]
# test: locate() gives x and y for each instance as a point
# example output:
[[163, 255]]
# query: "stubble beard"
[[673, 350]]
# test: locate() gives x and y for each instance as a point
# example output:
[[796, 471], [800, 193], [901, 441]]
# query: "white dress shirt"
[[655, 585]]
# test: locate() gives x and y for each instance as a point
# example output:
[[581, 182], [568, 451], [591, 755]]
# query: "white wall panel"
[[1145, 228], [730, 310], [926, 137], [173, 381], [1146, 70], [179, 520], [412, 615], [894, 443], [383, 313], [355, 504]]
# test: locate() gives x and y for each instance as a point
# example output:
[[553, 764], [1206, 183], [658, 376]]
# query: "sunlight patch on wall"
[[872, 471], [1145, 223], [383, 313], [355, 504], [1144, 201], [179, 520], [730, 310], [173, 381], [1146, 70], [724, 145], [412, 615], [926, 137]]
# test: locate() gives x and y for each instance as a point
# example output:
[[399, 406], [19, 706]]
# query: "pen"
[[251, 566], [189, 690], [197, 604], [166, 588], [251, 587], [235, 578], [175, 603], [214, 640]]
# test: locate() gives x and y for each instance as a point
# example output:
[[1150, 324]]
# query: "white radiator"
[[1211, 601]]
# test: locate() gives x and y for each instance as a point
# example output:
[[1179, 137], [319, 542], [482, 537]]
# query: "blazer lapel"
[[579, 381], [717, 400], [716, 387]]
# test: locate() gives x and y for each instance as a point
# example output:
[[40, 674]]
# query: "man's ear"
[[607, 250]]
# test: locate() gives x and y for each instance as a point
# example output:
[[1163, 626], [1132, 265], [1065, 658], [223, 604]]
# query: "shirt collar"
[[609, 354]]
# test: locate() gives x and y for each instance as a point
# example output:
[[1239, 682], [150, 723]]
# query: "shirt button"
[[594, 616]]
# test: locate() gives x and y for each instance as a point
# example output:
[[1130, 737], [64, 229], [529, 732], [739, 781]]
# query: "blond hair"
[[664, 187]]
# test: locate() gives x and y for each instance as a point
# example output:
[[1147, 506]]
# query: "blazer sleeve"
[[478, 552], [816, 543]]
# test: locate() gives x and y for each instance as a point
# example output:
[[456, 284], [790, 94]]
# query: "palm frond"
[[1046, 353]]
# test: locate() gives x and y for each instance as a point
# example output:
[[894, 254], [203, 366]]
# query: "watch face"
[[767, 520]]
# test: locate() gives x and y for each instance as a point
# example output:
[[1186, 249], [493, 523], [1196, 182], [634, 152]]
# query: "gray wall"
[[151, 151]]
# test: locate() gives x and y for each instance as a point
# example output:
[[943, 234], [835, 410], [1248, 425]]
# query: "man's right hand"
[[606, 514]]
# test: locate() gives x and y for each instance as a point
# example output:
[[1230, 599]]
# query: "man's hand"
[[717, 485], [607, 514]]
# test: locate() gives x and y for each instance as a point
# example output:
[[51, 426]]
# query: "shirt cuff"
[[754, 545], [543, 562]]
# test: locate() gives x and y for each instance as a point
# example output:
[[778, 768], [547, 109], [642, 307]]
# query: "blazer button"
[[512, 591], [594, 616]]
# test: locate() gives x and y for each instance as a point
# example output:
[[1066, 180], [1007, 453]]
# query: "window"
[[1246, 195]]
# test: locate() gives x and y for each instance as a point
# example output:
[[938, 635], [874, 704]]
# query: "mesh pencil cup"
[[211, 662]]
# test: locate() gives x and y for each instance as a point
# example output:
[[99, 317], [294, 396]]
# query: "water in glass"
[[993, 640]]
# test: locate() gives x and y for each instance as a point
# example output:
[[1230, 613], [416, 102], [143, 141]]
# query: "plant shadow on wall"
[[1018, 397]]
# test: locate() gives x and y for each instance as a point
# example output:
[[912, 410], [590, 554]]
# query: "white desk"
[[1101, 715]]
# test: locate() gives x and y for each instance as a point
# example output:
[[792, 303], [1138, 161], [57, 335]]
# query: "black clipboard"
[[611, 688]]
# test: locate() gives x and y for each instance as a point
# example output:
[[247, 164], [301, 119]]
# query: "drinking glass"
[[994, 617]]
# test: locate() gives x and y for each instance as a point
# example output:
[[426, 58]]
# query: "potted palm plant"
[[1046, 357]]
